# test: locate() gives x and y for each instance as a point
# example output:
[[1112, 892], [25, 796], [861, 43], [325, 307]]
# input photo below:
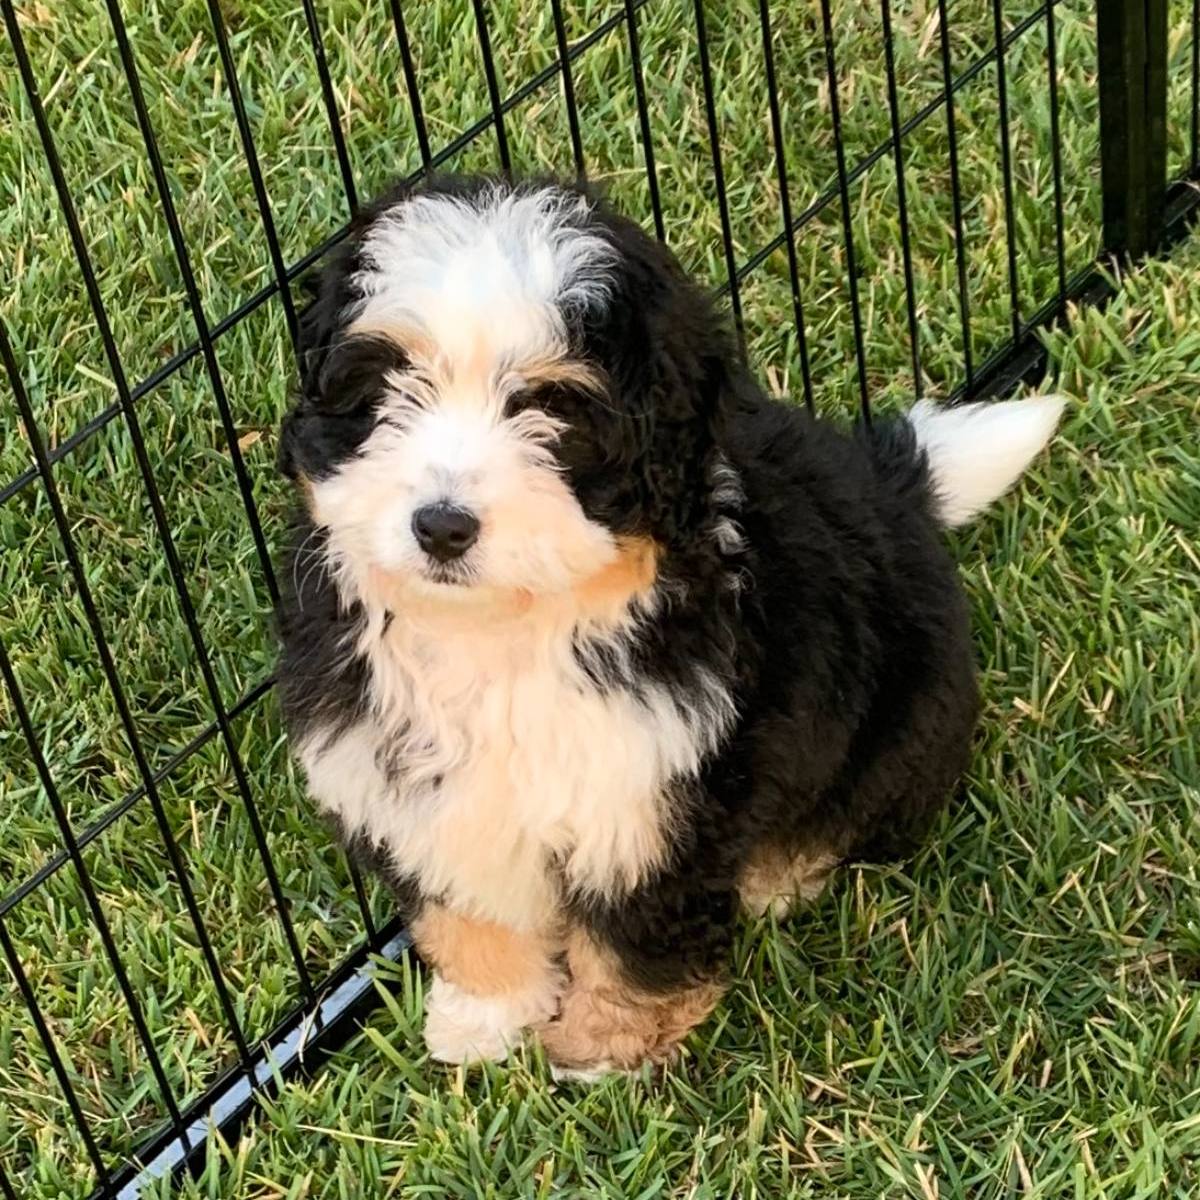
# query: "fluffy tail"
[[976, 452]]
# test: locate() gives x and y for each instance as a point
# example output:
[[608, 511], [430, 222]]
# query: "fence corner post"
[[1132, 42]]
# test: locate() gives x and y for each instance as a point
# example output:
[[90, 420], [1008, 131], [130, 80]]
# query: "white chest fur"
[[491, 767]]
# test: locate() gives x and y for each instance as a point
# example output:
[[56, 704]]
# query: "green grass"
[[1013, 1013]]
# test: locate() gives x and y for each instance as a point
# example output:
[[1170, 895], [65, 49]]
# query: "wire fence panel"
[[891, 198]]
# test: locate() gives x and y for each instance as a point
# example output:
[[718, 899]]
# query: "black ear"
[[336, 409], [285, 455], [319, 320], [351, 374], [672, 362]]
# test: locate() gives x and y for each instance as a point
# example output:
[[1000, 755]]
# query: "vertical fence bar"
[[1010, 217], [108, 666], [639, 90], [493, 86], [960, 243], [317, 41], [714, 143], [1195, 85], [125, 52], [1056, 155], [835, 113], [279, 269], [250, 154], [910, 289], [160, 515], [785, 201], [103, 1176], [123, 711], [410, 84], [63, 821], [564, 62], [195, 304], [1132, 42]]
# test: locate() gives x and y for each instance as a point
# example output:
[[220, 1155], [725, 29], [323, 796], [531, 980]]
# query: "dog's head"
[[503, 388]]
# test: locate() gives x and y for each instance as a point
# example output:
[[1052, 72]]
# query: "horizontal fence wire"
[[181, 1132], [797, 223], [306, 262], [120, 807]]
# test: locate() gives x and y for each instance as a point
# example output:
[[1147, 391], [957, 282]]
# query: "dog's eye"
[[522, 399], [555, 399], [352, 379]]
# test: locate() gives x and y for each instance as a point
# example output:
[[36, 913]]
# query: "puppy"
[[588, 643]]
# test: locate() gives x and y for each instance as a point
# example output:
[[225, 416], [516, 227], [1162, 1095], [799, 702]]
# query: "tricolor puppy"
[[589, 644]]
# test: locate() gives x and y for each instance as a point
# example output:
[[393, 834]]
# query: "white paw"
[[586, 1074], [463, 1028], [761, 904]]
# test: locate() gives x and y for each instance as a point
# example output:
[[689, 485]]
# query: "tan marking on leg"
[[480, 956], [773, 880], [604, 1022], [490, 984]]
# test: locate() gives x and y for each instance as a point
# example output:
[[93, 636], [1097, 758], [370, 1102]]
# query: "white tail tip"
[[976, 452]]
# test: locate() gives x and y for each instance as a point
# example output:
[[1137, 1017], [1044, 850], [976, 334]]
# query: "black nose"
[[445, 532]]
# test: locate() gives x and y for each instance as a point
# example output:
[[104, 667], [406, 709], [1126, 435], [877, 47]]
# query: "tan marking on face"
[[604, 1021], [607, 595], [562, 369], [481, 358], [773, 880], [411, 339], [304, 486], [483, 957], [602, 598]]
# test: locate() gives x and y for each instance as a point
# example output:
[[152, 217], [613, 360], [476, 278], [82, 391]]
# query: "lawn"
[[1015, 1012]]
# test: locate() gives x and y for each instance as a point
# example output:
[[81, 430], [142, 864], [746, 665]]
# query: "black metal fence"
[[894, 199]]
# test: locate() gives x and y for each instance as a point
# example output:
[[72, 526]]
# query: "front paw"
[[464, 1028], [594, 1036]]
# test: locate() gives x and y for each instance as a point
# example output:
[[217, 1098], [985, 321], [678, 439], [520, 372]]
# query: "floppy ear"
[[313, 334], [319, 321], [673, 364], [285, 454]]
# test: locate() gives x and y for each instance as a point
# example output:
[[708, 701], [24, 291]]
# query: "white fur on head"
[[976, 452], [500, 268], [474, 291]]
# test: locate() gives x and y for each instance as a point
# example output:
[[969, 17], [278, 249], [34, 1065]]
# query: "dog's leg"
[[775, 880], [605, 1023], [490, 983]]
